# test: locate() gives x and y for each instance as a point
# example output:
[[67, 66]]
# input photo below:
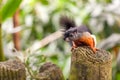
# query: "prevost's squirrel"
[[77, 35]]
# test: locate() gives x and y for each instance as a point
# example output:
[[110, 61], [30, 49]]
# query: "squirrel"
[[77, 36]]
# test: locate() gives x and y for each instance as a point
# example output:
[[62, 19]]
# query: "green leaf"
[[44, 2], [108, 1], [9, 9], [118, 76]]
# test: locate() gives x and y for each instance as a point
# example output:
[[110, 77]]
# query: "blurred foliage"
[[8, 9], [40, 18]]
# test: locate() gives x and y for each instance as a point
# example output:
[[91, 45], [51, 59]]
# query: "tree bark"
[[16, 36], [87, 65]]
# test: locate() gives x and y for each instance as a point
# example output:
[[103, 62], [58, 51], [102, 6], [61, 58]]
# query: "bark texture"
[[87, 65], [12, 70]]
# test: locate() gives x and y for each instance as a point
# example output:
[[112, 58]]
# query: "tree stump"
[[12, 69], [87, 65], [50, 71]]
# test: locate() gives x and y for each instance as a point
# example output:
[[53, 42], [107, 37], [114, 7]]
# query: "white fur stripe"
[[94, 37]]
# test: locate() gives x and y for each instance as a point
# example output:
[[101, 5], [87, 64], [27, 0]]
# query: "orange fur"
[[85, 40]]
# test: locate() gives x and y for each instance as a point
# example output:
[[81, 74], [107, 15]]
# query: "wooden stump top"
[[101, 56], [87, 65]]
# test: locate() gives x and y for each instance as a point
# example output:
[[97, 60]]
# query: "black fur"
[[67, 22]]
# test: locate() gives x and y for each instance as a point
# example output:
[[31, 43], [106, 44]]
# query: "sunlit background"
[[39, 19]]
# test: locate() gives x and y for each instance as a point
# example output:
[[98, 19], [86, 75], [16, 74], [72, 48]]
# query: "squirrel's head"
[[72, 34]]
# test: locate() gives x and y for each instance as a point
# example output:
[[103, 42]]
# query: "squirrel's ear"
[[75, 30]]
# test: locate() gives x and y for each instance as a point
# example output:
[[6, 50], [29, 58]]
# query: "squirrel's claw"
[[73, 46]]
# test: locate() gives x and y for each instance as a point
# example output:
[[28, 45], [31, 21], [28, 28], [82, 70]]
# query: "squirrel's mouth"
[[67, 39]]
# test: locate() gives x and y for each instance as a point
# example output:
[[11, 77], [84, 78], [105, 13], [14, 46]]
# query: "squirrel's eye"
[[70, 35]]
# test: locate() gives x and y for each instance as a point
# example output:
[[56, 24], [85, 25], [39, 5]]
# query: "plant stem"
[[2, 57], [16, 36]]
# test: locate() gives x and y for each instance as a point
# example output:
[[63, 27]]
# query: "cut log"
[[50, 71], [87, 65], [12, 69]]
